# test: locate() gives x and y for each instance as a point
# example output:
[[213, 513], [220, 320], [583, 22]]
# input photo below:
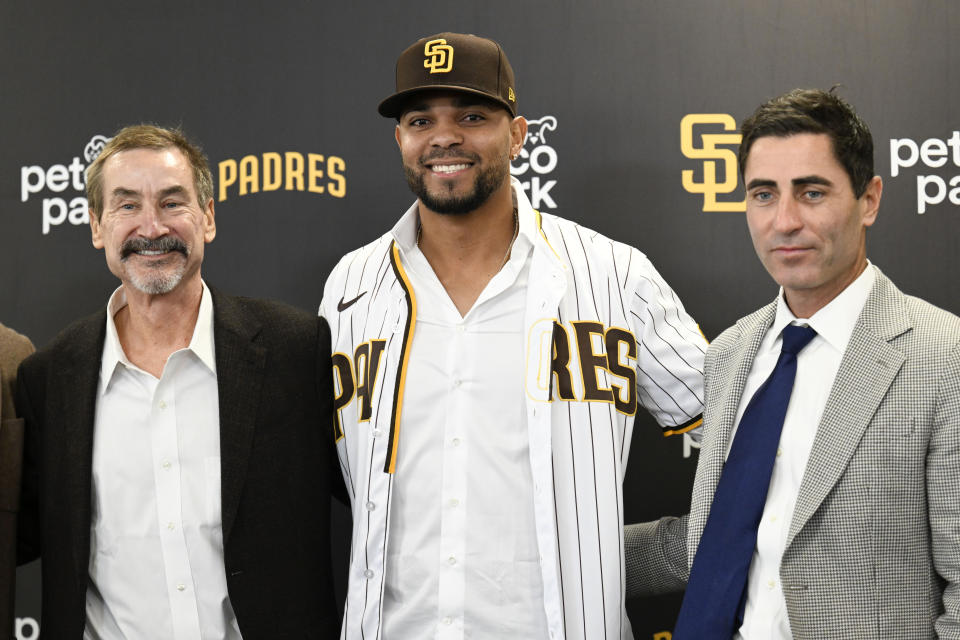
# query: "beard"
[[160, 277], [443, 200]]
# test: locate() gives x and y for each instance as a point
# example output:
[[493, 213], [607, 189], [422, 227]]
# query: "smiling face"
[[456, 149], [808, 228], [152, 227]]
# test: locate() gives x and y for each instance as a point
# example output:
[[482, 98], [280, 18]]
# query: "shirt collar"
[[405, 231], [201, 343], [834, 322]]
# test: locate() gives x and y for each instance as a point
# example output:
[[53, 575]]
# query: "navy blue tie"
[[716, 593]]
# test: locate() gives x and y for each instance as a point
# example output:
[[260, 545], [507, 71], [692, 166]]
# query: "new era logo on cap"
[[439, 56]]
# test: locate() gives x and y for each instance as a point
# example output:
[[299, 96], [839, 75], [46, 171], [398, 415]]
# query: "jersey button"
[[368, 574]]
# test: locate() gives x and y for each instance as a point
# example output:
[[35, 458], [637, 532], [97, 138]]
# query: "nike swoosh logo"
[[343, 306]]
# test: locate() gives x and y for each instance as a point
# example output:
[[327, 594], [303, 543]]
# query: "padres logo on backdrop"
[[539, 158], [58, 179], [712, 155], [290, 170], [439, 56]]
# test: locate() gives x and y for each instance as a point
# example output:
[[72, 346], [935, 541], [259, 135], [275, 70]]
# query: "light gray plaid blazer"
[[873, 549]]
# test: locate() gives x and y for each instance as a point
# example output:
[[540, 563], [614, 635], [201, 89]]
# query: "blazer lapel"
[[76, 381], [730, 368], [240, 369], [866, 372]]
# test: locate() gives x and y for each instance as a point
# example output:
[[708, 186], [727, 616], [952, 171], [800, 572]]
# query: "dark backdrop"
[[608, 82]]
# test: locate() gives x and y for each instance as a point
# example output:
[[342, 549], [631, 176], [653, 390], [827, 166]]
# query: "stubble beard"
[[444, 201]]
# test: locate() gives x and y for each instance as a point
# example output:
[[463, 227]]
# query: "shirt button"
[[455, 442], [368, 574], [166, 464], [181, 587], [457, 383], [451, 561], [448, 621], [376, 433], [170, 526], [773, 518], [371, 506], [771, 584], [779, 451], [454, 502], [461, 328], [163, 404]]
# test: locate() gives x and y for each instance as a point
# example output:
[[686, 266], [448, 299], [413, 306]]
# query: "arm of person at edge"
[[16, 348], [29, 545], [943, 476]]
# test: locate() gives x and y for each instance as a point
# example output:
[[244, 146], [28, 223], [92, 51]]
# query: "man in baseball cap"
[[489, 361]]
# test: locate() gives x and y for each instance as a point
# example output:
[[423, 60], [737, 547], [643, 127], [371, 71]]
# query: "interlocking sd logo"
[[439, 56], [711, 155]]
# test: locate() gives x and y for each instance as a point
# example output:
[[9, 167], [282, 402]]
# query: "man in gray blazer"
[[858, 532]]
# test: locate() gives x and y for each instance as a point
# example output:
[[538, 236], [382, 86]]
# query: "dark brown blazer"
[[13, 348], [277, 468]]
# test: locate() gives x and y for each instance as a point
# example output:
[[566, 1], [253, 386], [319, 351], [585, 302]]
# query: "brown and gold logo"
[[439, 56], [711, 155]]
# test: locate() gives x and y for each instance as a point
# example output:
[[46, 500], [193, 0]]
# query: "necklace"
[[506, 256]]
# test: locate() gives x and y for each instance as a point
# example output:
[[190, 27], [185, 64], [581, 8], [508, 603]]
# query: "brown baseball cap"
[[455, 61]]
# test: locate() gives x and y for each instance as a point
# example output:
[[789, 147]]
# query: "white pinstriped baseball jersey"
[[603, 334]]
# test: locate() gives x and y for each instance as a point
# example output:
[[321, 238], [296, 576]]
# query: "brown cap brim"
[[395, 105]]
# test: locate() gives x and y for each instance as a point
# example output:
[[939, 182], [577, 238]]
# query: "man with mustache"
[[177, 469], [489, 363]]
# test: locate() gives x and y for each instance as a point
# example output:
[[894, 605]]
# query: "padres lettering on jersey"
[[604, 335], [614, 356]]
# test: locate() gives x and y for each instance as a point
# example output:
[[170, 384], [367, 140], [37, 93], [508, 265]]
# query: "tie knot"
[[796, 338]]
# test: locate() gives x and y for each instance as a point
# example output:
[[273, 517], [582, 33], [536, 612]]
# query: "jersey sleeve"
[[670, 351]]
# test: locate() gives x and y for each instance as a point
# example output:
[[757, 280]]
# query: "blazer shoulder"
[[14, 347], [83, 338], [937, 326], [740, 334], [270, 315], [744, 328]]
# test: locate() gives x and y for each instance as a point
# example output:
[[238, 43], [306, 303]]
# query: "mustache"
[[440, 154], [163, 244]]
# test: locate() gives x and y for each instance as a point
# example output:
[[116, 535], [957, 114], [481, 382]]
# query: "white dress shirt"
[[156, 545], [463, 560], [765, 617]]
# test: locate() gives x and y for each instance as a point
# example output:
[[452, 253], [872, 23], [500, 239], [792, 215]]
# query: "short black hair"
[[815, 111]]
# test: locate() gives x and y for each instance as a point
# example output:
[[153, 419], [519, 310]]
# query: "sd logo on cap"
[[481, 68]]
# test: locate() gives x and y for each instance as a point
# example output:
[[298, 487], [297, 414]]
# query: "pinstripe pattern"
[[873, 549], [577, 448]]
